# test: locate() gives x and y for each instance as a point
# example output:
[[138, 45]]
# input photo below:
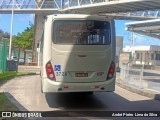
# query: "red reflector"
[[66, 86], [49, 70], [97, 86], [111, 70]]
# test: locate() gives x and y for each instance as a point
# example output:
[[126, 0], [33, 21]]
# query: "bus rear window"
[[81, 32]]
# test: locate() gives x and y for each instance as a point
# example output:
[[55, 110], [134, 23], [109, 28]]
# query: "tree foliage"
[[24, 39]]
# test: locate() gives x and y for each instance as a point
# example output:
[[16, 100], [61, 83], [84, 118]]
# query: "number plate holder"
[[81, 74]]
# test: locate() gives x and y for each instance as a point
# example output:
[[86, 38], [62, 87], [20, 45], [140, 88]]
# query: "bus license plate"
[[81, 74]]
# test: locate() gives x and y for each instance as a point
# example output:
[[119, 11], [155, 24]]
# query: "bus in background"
[[78, 54]]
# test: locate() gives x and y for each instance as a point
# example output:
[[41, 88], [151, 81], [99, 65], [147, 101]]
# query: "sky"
[[21, 21], [140, 40]]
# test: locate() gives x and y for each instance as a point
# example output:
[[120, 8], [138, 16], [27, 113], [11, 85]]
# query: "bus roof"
[[79, 16]]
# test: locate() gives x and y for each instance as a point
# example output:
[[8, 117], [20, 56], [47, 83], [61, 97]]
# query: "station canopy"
[[115, 6], [149, 28]]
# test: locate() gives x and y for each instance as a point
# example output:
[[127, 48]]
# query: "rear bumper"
[[52, 86]]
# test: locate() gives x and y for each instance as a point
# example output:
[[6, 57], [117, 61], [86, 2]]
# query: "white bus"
[[78, 54]]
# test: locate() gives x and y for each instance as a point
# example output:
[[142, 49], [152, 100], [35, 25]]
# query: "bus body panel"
[[81, 59], [51, 86], [72, 59]]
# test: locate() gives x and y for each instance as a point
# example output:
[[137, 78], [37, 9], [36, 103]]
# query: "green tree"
[[25, 39]]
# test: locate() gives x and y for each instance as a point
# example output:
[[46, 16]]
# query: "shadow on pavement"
[[97, 105], [109, 101], [74, 101]]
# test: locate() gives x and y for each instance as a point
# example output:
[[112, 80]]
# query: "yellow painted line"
[[152, 90]]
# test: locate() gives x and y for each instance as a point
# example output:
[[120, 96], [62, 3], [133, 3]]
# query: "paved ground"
[[26, 91]]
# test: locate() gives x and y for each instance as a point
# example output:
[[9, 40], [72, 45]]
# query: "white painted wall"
[[143, 50]]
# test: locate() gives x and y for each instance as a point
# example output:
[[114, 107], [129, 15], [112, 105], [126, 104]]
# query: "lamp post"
[[11, 30]]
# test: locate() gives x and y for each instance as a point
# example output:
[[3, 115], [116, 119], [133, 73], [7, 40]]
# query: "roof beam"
[[146, 34], [149, 28], [88, 8]]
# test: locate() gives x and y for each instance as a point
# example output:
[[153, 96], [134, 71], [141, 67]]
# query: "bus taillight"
[[50, 71], [111, 71]]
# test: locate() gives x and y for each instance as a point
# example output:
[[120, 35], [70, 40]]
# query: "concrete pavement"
[[26, 92]]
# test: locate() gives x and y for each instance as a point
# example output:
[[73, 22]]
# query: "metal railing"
[[3, 56], [141, 78], [59, 5]]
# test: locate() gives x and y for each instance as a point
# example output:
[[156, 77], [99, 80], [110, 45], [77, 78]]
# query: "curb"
[[139, 91], [15, 102]]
